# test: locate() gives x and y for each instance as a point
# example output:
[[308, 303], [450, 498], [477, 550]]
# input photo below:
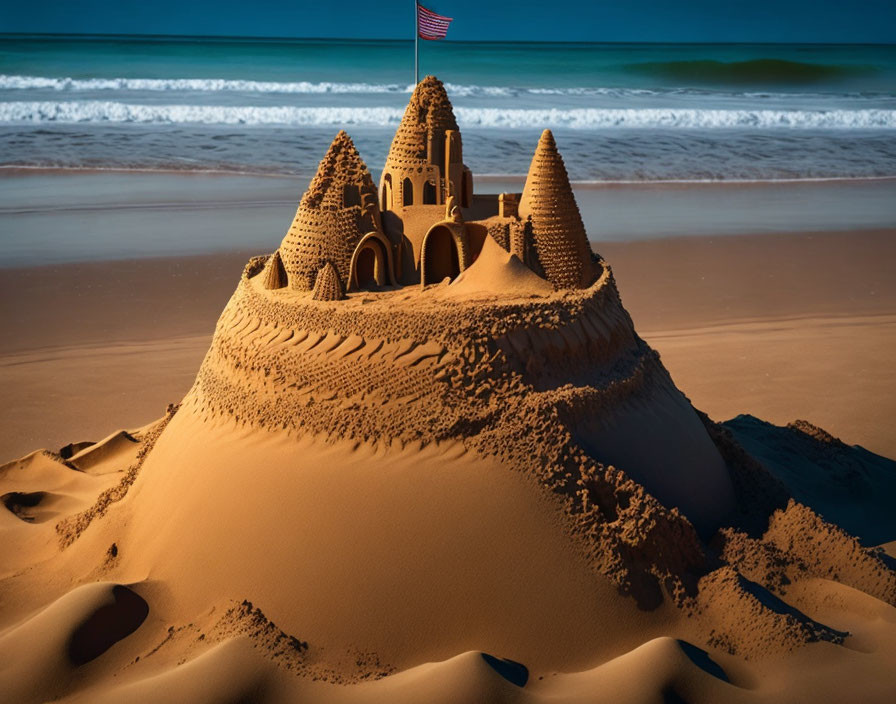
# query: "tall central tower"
[[425, 162], [423, 170]]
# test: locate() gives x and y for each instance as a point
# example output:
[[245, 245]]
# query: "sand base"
[[812, 340]]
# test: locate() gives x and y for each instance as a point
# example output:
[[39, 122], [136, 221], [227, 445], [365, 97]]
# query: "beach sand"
[[783, 326], [482, 491]]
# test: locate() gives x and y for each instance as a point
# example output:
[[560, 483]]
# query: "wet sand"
[[50, 217]]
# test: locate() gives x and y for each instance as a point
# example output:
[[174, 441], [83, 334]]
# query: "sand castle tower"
[[423, 170], [559, 244], [338, 222]]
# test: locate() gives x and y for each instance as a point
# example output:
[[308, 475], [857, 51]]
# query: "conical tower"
[[327, 286], [425, 162], [337, 210], [558, 236], [274, 273]]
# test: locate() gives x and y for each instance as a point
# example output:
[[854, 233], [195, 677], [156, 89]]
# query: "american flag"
[[430, 25]]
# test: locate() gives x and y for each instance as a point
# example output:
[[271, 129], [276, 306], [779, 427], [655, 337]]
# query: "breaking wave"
[[577, 118], [226, 85], [195, 84], [215, 85]]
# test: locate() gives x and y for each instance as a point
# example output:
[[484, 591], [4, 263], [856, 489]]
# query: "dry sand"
[[780, 326], [259, 544]]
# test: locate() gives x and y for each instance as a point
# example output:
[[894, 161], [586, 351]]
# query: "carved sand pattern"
[[327, 286], [512, 379], [559, 239], [274, 273], [429, 112], [337, 210]]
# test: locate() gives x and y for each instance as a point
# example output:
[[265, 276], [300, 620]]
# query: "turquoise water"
[[837, 68], [620, 112]]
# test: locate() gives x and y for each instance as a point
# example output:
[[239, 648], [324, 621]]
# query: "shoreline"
[[24, 170], [57, 216]]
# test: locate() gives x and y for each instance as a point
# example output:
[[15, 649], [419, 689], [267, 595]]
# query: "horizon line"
[[231, 37]]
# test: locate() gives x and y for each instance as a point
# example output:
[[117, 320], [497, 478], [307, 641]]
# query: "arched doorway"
[[371, 264], [440, 257]]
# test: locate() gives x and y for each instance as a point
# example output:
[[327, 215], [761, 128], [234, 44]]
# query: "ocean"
[[620, 112]]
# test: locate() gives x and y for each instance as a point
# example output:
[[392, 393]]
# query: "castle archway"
[[439, 256], [371, 263]]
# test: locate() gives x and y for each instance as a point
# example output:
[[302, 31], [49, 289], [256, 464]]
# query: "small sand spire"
[[274, 273], [327, 285], [559, 238], [338, 209]]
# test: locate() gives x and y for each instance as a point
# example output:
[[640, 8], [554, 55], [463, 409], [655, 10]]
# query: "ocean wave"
[[577, 118], [75, 85], [227, 85], [8, 82], [753, 71]]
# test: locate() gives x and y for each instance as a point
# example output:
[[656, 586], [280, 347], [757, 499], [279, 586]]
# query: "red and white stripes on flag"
[[430, 25]]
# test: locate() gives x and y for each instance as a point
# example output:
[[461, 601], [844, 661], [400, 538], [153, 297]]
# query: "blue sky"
[[872, 21]]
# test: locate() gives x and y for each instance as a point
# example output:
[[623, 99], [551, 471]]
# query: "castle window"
[[387, 192], [407, 192], [429, 193], [351, 195]]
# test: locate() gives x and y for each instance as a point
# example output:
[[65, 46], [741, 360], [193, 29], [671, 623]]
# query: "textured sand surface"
[[127, 337], [382, 498]]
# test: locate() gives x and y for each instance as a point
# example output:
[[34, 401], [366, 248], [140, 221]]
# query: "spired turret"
[[274, 275], [337, 211], [560, 245], [327, 286], [425, 162]]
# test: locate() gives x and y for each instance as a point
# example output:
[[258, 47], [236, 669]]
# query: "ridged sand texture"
[[429, 111], [274, 273], [325, 229], [327, 286], [521, 381], [558, 235]]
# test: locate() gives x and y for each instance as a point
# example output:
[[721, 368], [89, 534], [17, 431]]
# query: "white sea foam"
[[218, 85], [578, 118], [98, 111], [192, 84], [74, 85]]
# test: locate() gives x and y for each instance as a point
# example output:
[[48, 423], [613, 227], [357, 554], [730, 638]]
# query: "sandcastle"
[[425, 224], [443, 406]]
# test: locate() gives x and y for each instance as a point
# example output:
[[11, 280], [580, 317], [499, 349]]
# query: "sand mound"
[[107, 454], [524, 464], [43, 655], [850, 486], [497, 273]]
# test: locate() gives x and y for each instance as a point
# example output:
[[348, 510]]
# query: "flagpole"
[[416, 44]]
